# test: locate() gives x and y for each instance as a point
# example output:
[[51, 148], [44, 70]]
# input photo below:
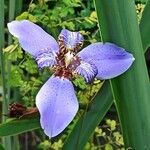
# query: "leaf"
[[108, 147], [145, 26], [10, 48], [131, 90], [17, 126], [1, 147], [88, 121]]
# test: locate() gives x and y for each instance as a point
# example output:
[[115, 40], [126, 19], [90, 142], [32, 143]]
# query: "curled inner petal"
[[87, 70], [71, 40]]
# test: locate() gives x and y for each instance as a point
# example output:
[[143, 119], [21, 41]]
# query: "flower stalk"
[[6, 141]]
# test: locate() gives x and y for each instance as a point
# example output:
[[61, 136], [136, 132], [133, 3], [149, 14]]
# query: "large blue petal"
[[33, 38], [109, 59], [57, 104], [71, 40]]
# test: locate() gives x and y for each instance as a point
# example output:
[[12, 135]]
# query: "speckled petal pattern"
[[57, 104]]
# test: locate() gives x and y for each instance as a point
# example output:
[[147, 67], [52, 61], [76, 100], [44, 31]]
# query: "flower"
[[56, 100]]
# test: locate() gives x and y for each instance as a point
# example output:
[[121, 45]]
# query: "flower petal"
[[57, 104], [72, 40], [109, 59], [46, 60], [32, 38], [87, 70]]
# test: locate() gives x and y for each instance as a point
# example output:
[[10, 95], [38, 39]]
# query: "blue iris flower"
[[56, 100]]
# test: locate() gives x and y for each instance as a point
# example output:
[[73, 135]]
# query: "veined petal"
[[46, 60], [57, 104], [71, 40], [87, 70], [109, 59], [32, 38]]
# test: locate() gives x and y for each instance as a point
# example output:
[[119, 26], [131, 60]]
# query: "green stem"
[[6, 141], [1, 54], [12, 10], [11, 17]]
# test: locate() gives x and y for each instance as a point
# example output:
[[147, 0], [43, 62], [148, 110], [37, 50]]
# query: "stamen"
[[78, 47], [68, 58], [62, 46], [76, 61]]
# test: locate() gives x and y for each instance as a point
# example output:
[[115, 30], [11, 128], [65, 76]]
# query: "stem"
[[11, 17], [6, 141], [1, 54], [12, 10]]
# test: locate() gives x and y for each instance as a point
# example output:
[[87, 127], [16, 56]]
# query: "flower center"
[[66, 60], [68, 57]]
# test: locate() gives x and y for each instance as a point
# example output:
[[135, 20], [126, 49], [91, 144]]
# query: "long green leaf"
[[19, 7], [17, 126], [118, 24], [1, 147], [11, 17], [88, 121], [6, 141], [145, 26], [1, 53]]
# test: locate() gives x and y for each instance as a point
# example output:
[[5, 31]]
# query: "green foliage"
[[85, 95], [16, 77], [30, 66], [17, 126], [85, 92], [1, 147], [80, 82], [46, 145], [73, 15], [139, 10], [110, 133], [111, 124]]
